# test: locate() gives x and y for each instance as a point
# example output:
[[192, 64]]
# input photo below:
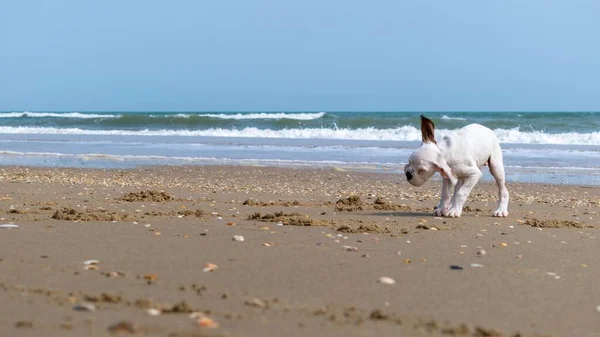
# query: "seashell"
[[196, 314], [150, 277], [9, 226], [154, 312], [386, 280], [90, 262], [476, 265], [210, 267], [481, 252], [238, 238], [350, 248], [89, 307], [207, 322], [503, 244]]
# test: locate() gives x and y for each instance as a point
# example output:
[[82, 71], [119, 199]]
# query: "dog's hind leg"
[[497, 171]]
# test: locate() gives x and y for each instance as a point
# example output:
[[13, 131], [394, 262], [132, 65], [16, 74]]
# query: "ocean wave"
[[404, 133], [261, 115], [447, 118], [54, 115]]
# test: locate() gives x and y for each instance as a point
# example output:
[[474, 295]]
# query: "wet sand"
[[316, 244]]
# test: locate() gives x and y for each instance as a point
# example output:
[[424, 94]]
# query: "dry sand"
[[315, 245]]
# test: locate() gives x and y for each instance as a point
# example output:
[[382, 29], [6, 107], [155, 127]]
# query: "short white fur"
[[458, 157]]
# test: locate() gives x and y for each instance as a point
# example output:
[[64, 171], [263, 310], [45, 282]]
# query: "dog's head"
[[427, 159]]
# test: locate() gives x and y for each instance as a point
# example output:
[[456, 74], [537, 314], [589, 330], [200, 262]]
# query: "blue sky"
[[258, 55]]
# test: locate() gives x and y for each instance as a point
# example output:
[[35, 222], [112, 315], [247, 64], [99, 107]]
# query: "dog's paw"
[[453, 213], [501, 213], [438, 211]]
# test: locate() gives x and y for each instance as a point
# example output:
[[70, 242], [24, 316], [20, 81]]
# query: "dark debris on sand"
[[147, 196]]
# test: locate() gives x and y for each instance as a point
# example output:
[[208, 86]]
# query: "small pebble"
[[150, 277], [455, 267], [123, 327], [238, 238], [350, 248], [207, 322], [386, 280], [89, 307], [154, 312]]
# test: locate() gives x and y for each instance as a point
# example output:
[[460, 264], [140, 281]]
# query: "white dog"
[[458, 157]]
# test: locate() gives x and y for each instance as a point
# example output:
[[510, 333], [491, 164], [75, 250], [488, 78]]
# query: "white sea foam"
[[54, 114], [404, 133], [262, 115], [445, 117]]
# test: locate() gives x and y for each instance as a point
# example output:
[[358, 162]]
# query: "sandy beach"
[[254, 251]]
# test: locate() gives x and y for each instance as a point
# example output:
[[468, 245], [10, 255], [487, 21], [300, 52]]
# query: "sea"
[[547, 147]]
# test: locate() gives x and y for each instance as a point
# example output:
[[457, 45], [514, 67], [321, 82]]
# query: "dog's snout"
[[409, 175]]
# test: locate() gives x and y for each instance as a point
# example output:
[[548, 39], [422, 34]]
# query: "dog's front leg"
[[444, 204], [462, 191]]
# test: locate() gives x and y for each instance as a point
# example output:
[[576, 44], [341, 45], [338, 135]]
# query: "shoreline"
[[317, 273]]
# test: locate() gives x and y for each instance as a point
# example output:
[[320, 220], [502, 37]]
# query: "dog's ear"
[[443, 168], [427, 130]]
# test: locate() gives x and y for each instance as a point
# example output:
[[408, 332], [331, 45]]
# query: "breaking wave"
[[404, 133], [55, 115]]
